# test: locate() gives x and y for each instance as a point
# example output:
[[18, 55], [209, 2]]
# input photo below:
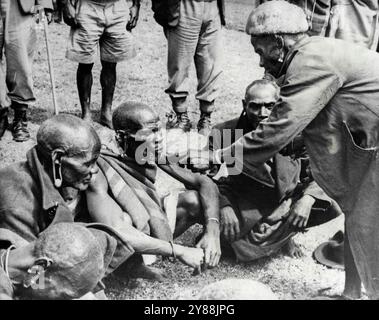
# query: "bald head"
[[133, 116], [68, 133], [262, 91], [73, 261]]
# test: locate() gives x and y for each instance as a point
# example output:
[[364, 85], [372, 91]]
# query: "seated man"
[[50, 187], [261, 213], [136, 126]]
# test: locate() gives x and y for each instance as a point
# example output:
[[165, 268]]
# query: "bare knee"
[[84, 68], [190, 205]]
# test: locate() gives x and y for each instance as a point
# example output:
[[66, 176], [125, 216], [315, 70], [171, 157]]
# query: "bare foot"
[[106, 119], [87, 117], [292, 249], [139, 270], [145, 272]]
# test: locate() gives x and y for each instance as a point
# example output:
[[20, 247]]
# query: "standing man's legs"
[[100, 24], [84, 82], [208, 66], [19, 50], [4, 101], [108, 84], [182, 42]]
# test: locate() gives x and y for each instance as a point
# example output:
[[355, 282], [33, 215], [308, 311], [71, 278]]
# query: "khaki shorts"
[[104, 25]]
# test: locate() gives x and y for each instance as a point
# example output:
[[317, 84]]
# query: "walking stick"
[[43, 19], [50, 62]]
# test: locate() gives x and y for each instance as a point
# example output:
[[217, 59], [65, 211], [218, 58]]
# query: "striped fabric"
[[132, 187]]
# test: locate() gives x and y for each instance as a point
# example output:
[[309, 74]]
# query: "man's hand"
[[299, 213], [49, 15], [203, 160], [192, 257], [134, 15], [210, 243], [230, 226], [68, 13]]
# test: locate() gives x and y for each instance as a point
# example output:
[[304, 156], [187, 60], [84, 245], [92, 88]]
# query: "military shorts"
[[101, 24]]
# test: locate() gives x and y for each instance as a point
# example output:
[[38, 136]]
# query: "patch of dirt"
[[144, 79]]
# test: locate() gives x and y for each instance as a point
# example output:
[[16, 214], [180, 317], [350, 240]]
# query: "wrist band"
[[173, 251], [214, 219]]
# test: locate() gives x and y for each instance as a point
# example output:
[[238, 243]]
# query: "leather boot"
[[20, 125], [179, 120], [3, 121], [204, 126]]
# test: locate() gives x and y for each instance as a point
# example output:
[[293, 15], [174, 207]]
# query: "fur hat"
[[276, 17]]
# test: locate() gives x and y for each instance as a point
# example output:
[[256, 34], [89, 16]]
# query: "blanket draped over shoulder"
[[132, 187]]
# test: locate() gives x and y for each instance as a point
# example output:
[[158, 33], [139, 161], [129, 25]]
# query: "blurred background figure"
[[17, 42]]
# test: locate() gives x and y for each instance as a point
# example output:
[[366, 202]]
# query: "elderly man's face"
[[259, 103], [152, 137], [77, 171], [269, 53]]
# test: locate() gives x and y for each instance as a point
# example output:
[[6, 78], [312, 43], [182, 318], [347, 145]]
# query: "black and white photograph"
[[206, 151]]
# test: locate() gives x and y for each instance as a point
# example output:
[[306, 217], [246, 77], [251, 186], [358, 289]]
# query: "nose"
[[264, 112], [261, 61]]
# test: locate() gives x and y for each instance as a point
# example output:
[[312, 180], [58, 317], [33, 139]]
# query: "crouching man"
[[262, 210], [50, 187], [131, 182]]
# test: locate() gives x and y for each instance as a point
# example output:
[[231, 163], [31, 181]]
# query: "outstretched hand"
[[192, 257], [202, 160], [300, 211], [49, 15]]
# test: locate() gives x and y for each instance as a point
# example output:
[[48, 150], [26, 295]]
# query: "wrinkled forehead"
[[262, 94], [262, 41], [84, 144], [149, 122]]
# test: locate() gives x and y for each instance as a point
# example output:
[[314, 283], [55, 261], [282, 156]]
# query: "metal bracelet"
[[214, 219]]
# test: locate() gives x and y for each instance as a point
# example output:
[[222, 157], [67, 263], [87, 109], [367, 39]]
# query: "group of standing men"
[[192, 29]]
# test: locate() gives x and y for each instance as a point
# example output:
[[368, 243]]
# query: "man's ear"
[[119, 138], [56, 160], [279, 42], [56, 155], [244, 104]]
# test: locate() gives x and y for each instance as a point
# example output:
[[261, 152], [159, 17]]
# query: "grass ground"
[[144, 78]]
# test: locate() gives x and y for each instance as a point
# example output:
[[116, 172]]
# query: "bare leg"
[[188, 212], [108, 84], [84, 82], [135, 268]]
